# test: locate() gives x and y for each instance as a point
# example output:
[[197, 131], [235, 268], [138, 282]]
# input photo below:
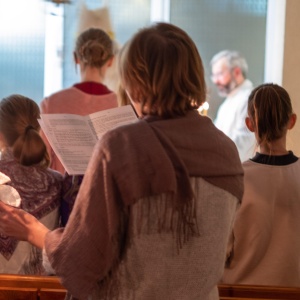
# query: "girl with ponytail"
[[24, 160], [266, 248]]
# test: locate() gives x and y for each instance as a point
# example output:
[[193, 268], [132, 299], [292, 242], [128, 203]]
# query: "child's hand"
[[17, 223]]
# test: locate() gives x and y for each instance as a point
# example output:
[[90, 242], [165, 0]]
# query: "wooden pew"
[[19, 287], [13, 293], [239, 298], [258, 292], [23, 287], [52, 294]]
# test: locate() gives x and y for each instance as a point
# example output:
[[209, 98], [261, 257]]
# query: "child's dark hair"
[[19, 125], [270, 108]]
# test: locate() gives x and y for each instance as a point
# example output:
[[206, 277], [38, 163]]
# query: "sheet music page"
[[108, 119], [71, 138]]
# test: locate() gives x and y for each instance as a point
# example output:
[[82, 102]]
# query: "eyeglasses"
[[219, 74]]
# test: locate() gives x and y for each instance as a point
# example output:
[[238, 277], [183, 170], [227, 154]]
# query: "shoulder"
[[248, 85], [8, 165], [244, 91], [55, 174], [241, 98], [24, 175], [125, 134], [60, 93], [250, 167], [57, 99], [72, 100], [257, 177], [132, 144]]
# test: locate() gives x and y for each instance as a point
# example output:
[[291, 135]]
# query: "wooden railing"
[[244, 292], [22, 287]]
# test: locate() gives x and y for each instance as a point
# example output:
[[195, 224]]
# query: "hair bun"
[[29, 127]]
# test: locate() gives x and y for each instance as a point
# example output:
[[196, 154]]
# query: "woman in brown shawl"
[[155, 208]]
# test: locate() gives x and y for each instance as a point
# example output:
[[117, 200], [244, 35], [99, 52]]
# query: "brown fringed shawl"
[[147, 158]]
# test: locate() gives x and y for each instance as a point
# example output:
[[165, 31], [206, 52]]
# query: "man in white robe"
[[229, 70]]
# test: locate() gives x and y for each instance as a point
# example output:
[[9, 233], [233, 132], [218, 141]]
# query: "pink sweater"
[[74, 101]]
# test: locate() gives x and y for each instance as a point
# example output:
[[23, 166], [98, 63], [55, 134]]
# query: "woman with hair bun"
[[24, 160], [266, 245], [94, 54]]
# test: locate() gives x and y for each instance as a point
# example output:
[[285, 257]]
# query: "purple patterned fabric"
[[40, 190]]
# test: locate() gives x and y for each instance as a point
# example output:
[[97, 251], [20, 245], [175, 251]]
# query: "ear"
[[110, 61], [249, 124], [76, 60], [2, 141], [292, 121], [237, 71]]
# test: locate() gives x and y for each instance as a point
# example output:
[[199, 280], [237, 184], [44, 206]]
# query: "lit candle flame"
[[204, 108]]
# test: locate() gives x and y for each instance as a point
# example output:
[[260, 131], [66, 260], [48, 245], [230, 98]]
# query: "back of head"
[[233, 58], [20, 129], [94, 47], [270, 108], [162, 69]]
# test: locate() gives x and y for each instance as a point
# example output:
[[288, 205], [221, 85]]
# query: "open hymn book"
[[73, 137]]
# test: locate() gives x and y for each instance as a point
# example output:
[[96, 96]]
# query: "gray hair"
[[233, 58]]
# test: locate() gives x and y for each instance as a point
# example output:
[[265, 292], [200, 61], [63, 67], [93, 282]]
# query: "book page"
[[71, 138], [108, 119]]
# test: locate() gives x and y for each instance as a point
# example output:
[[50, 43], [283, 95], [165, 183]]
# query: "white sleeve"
[[46, 264]]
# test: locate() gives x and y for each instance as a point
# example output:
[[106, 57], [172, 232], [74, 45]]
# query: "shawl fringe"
[[34, 265], [163, 214]]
